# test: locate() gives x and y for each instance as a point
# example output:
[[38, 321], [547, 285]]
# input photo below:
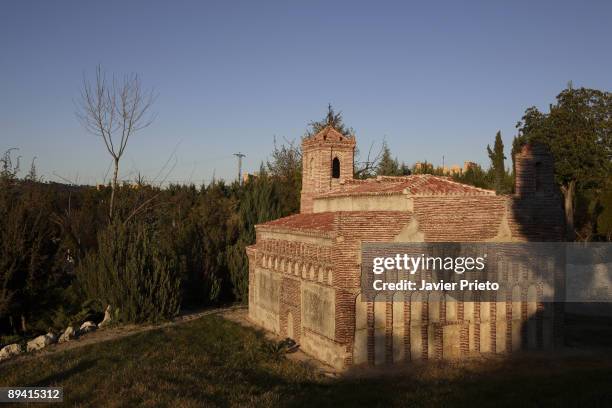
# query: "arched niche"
[[451, 308], [360, 346], [398, 326], [380, 325], [435, 303]]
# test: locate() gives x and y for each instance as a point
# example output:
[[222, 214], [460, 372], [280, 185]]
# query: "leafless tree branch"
[[114, 110], [367, 167]]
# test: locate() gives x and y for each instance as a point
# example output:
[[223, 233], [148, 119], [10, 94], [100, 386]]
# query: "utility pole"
[[239, 156]]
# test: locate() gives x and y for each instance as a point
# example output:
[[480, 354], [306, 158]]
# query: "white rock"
[[107, 317], [68, 334], [10, 351], [87, 327], [41, 342]]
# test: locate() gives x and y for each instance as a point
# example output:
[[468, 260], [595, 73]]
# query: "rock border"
[[40, 342]]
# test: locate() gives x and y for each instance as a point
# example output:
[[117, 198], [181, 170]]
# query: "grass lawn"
[[215, 362]]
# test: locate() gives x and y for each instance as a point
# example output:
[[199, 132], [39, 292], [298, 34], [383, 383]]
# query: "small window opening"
[[312, 166], [538, 176], [336, 168]]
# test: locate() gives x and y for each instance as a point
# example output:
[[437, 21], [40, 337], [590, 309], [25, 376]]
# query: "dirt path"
[[118, 332]]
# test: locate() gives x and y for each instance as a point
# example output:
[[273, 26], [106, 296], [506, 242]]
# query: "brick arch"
[[296, 268], [320, 274]]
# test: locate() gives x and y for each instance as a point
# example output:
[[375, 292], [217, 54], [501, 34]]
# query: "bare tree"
[[114, 110], [366, 168]]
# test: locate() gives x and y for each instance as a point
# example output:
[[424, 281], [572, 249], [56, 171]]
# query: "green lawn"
[[214, 362]]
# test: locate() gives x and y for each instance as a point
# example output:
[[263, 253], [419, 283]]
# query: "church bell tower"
[[327, 160]]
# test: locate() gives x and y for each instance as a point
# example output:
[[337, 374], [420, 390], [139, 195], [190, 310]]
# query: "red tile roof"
[[421, 184], [323, 222]]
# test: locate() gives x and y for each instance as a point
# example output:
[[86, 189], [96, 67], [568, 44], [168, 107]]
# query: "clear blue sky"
[[433, 78]]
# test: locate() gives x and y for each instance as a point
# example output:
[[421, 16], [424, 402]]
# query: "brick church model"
[[304, 270]]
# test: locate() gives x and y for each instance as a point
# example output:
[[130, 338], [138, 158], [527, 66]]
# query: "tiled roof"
[[421, 184], [323, 222], [472, 218]]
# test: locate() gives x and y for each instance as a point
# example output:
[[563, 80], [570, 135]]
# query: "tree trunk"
[[24, 326], [113, 190], [569, 192]]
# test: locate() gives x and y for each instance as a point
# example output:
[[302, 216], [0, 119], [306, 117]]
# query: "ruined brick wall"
[[534, 171], [539, 215]]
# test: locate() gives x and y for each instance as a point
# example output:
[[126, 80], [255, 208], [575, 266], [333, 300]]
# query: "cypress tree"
[[132, 274], [497, 163], [388, 166]]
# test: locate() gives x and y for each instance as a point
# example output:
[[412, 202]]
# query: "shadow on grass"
[[525, 382], [58, 377], [214, 362]]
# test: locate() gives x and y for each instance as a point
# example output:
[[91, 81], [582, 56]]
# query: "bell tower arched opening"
[[336, 168]]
